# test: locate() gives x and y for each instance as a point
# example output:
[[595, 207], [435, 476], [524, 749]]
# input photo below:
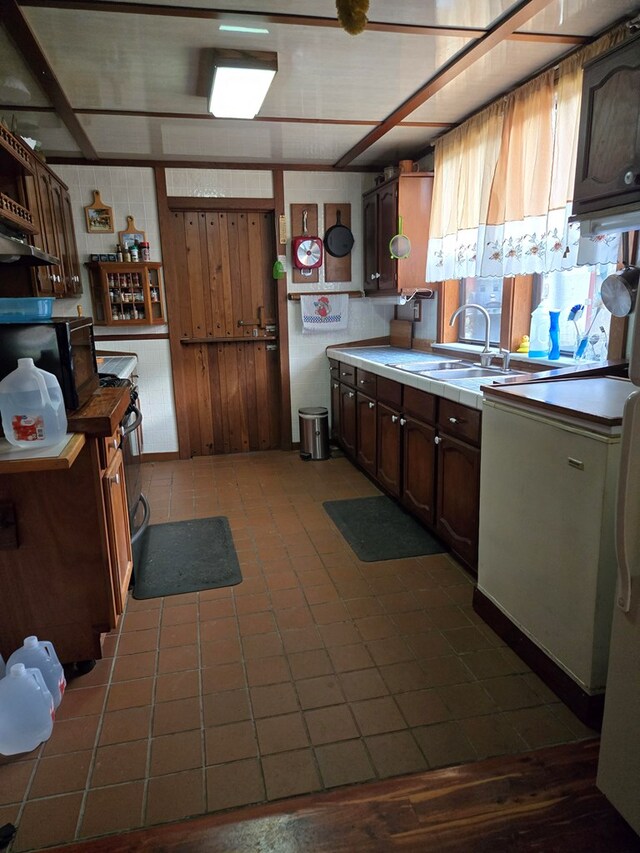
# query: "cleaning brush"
[[574, 315]]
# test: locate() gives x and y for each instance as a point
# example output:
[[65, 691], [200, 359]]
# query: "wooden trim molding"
[[176, 202], [169, 456], [448, 302], [517, 292], [282, 309], [134, 336], [205, 164]]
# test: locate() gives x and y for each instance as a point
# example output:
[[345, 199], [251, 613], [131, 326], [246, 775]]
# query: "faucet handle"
[[506, 358]]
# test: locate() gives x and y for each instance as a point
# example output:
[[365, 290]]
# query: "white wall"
[[131, 191]]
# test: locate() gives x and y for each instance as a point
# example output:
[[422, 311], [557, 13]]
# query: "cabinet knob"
[[456, 421], [335, 385], [115, 479], [437, 439], [394, 418], [372, 405], [351, 394], [345, 373], [402, 421], [631, 178], [114, 443]]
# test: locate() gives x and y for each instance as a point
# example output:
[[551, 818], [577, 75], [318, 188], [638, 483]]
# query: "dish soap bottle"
[[539, 342], [32, 407]]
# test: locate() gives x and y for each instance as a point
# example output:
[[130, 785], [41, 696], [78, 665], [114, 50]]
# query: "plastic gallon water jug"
[[539, 340], [32, 407], [26, 710], [41, 655]]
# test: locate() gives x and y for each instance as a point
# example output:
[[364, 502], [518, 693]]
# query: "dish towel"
[[323, 312]]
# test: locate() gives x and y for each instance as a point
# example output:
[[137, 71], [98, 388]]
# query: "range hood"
[[14, 251], [613, 220]]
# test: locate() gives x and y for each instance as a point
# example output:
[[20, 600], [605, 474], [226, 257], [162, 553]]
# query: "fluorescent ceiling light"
[[228, 28], [240, 82]]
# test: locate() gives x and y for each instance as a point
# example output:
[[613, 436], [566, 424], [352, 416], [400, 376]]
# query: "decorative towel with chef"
[[323, 312]]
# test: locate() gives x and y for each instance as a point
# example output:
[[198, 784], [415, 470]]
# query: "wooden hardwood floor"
[[543, 801]]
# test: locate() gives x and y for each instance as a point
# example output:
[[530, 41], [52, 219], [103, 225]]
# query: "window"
[[486, 292]]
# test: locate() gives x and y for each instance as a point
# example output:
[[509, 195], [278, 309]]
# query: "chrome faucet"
[[487, 352]]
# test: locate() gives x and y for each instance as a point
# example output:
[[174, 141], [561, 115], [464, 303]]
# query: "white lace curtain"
[[503, 184]]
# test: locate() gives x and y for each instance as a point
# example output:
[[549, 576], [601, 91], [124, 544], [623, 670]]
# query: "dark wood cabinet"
[[348, 434], [407, 196], [366, 444], [389, 447], [419, 469], [608, 160], [458, 497]]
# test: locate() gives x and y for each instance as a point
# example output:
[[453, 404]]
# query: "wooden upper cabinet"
[[608, 160], [407, 196]]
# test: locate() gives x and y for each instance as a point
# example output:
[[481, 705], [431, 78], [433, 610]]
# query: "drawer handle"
[[114, 443], [402, 421], [364, 381], [372, 405], [456, 420], [115, 479], [335, 385], [394, 418], [346, 373]]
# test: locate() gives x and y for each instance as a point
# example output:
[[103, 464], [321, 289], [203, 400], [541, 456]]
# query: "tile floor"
[[316, 671]]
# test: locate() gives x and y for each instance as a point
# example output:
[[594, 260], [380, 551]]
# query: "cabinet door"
[[389, 447], [48, 279], [418, 468], [458, 497], [387, 227], [370, 229], [608, 161], [366, 426], [73, 279], [117, 515], [348, 420]]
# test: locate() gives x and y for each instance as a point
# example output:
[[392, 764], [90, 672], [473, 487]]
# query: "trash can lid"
[[313, 412]]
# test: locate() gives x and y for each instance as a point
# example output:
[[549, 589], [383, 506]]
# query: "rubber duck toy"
[[524, 344]]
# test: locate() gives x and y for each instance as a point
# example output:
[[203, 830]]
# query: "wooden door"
[[366, 426], [389, 446], [228, 332], [387, 227], [419, 465], [459, 497], [348, 419]]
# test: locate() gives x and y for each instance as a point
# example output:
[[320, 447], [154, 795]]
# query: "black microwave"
[[64, 346]]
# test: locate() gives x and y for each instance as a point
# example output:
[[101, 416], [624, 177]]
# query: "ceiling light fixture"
[[241, 80], [229, 28]]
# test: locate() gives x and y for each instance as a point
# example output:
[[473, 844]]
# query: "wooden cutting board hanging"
[[401, 333]]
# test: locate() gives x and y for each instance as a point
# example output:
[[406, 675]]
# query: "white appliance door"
[[619, 762]]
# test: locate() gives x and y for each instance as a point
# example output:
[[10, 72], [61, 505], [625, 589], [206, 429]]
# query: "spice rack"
[[127, 294]]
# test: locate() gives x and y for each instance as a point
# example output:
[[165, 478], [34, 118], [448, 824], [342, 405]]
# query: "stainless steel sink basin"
[[421, 366], [468, 373]]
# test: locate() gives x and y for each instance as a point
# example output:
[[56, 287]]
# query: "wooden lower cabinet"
[[366, 433], [389, 447], [458, 497], [348, 430], [419, 469], [117, 515]]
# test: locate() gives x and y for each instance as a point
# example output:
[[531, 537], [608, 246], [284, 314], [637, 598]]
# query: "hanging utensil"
[[619, 290], [307, 250], [399, 244], [338, 240]]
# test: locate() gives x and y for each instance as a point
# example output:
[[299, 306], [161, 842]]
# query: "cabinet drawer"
[[420, 404], [110, 447], [366, 381], [334, 368], [347, 374], [460, 421], [389, 391]]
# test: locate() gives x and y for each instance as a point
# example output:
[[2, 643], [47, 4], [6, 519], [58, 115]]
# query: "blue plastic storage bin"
[[28, 309]]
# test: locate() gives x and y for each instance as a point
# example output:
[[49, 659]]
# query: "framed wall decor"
[[131, 233], [99, 216]]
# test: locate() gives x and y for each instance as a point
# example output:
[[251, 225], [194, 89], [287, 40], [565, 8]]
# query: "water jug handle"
[[42, 387]]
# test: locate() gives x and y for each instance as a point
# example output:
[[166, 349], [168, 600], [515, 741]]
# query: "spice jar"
[[145, 255]]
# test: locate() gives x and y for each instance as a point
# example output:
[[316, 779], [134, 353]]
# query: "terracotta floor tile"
[[569, 719], [346, 658], [404, 676], [256, 623], [108, 644], [466, 700], [492, 734], [318, 692], [390, 650], [15, 777], [226, 707], [282, 580], [181, 715], [294, 618], [215, 608], [49, 821], [250, 586], [461, 593], [84, 702], [395, 753], [120, 762], [466, 639], [178, 614], [433, 597], [360, 608], [283, 599], [374, 716], [344, 763], [273, 699], [444, 744], [538, 726], [130, 694], [339, 634], [448, 669], [289, 773], [362, 684], [251, 603], [216, 630], [488, 663], [322, 594], [175, 752], [312, 577], [71, 736], [330, 612], [183, 634], [126, 725], [135, 642], [431, 644], [230, 742], [178, 685], [412, 622], [422, 707], [261, 646], [376, 627], [398, 602], [302, 640], [174, 797], [310, 664], [100, 674], [327, 725], [280, 733], [219, 652], [61, 774], [134, 666], [510, 692], [267, 671], [233, 785]]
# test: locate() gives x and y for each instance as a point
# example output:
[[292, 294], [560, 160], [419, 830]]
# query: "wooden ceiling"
[[111, 81]]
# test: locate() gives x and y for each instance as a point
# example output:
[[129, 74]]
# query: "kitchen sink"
[[446, 375], [421, 366]]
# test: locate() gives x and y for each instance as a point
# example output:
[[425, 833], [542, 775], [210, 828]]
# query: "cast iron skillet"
[[338, 240]]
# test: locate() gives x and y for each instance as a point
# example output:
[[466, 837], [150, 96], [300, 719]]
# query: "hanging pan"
[[338, 240], [619, 290], [399, 244]]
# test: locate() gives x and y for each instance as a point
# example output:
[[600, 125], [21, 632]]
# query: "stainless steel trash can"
[[314, 432]]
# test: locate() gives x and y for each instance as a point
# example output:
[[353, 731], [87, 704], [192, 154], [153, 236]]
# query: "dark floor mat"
[[378, 529], [185, 556]]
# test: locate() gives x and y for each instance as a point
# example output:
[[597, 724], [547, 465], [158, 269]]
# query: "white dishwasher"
[[546, 546]]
